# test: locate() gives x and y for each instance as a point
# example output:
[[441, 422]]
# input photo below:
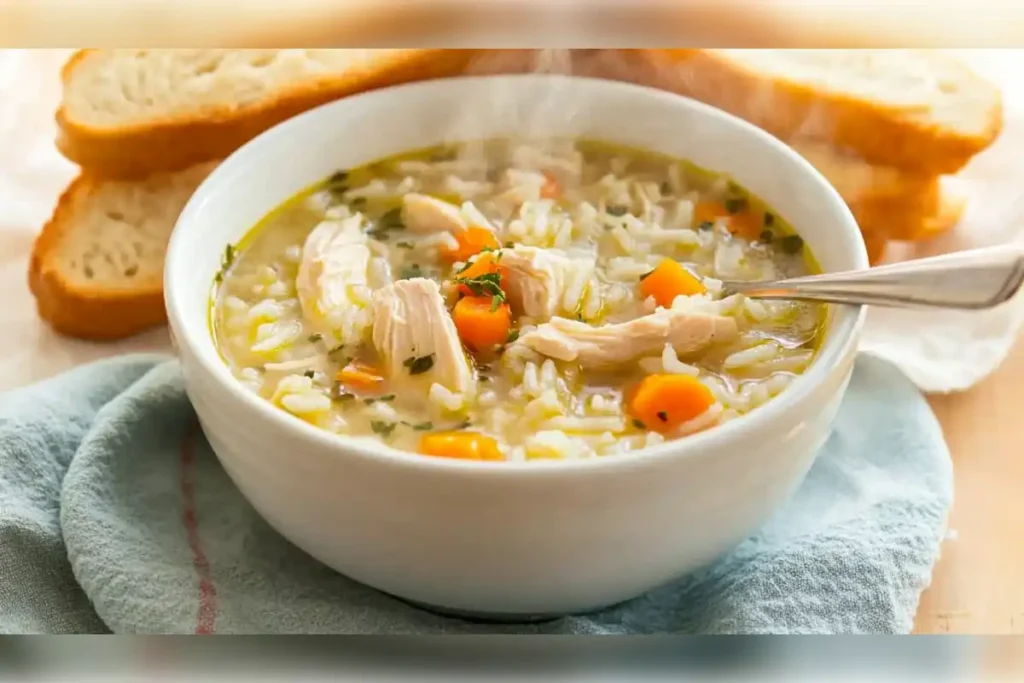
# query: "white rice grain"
[[306, 403], [705, 420], [680, 238], [272, 336], [752, 356], [442, 396], [671, 364]]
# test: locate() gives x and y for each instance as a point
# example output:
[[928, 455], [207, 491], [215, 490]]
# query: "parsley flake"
[[417, 366], [382, 429]]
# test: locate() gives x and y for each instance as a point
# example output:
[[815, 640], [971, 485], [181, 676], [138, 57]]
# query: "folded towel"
[[115, 515]]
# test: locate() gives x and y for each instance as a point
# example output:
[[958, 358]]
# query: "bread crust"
[[873, 132], [93, 313], [176, 143], [879, 230]]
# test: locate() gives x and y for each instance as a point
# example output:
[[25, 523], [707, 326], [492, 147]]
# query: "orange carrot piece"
[[483, 265], [358, 376], [551, 189], [472, 242], [663, 402], [708, 212], [463, 445], [745, 223], [480, 324], [669, 280]]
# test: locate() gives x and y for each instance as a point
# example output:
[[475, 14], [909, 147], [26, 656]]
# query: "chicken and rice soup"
[[515, 301]]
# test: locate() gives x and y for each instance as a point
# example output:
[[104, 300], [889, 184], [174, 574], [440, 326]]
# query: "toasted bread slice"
[[97, 266], [858, 181], [951, 210], [917, 110], [879, 230], [130, 113]]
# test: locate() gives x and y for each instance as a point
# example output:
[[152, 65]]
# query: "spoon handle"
[[970, 280]]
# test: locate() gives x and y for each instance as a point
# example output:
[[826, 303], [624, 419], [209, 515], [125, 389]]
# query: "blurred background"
[[512, 23]]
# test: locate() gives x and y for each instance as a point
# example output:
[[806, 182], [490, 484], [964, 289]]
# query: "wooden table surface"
[[977, 587]]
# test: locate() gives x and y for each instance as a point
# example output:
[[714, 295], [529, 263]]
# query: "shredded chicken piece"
[[411, 323], [606, 345], [537, 280], [424, 215], [332, 272]]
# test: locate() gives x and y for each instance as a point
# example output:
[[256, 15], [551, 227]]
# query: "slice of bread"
[[96, 269], [917, 110], [858, 181], [879, 230], [130, 113]]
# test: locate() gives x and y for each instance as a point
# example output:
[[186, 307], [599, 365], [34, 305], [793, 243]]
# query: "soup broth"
[[502, 300]]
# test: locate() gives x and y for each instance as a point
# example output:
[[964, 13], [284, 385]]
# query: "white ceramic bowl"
[[509, 539]]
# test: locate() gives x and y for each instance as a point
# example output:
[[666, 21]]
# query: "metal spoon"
[[971, 280]]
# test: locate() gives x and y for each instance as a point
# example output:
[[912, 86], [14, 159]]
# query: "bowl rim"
[[839, 343]]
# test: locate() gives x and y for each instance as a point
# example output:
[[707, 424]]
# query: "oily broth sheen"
[[532, 408]]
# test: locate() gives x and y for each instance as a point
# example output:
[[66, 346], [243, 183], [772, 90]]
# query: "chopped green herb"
[[369, 401], [512, 336], [464, 268], [404, 245], [219, 277], [229, 257], [387, 397], [792, 244], [769, 219], [391, 220], [646, 275], [423, 427], [616, 210], [766, 236], [309, 373], [358, 202], [663, 416], [410, 272], [337, 178], [666, 188], [336, 349], [417, 366], [735, 205], [443, 155], [638, 424], [315, 337], [465, 424], [486, 284], [510, 245], [383, 429], [705, 225]]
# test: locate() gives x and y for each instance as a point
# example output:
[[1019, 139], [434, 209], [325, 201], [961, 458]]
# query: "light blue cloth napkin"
[[115, 515]]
